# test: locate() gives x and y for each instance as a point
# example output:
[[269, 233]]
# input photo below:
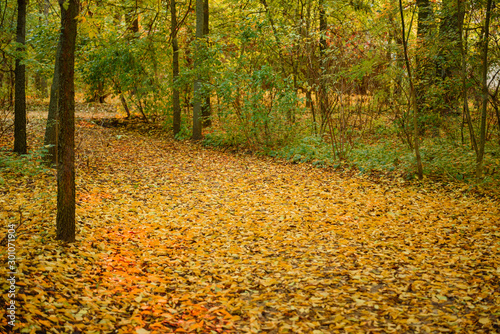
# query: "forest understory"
[[175, 237]]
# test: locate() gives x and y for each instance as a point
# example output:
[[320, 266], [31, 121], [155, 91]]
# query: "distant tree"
[[413, 96], [66, 112], [197, 135], [175, 69], [485, 93], [20, 144], [425, 71], [206, 107], [448, 66]]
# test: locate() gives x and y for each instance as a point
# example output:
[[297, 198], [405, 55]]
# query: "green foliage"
[[440, 158], [310, 149], [13, 165], [184, 133], [128, 67], [259, 105], [385, 156], [42, 39]]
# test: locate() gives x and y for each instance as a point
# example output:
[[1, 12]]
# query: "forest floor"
[[172, 237]]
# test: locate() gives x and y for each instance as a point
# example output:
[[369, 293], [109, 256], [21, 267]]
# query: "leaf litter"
[[172, 237]]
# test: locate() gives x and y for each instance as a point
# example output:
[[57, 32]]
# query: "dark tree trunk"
[[485, 95], [197, 135], [66, 137], [132, 20], [413, 97], [323, 97], [425, 74], [20, 144], [175, 71], [448, 66], [41, 85], [206, 108], [51, 129]]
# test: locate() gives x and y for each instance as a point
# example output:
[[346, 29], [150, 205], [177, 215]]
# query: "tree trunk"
[[124, 104], [206, 108], [484, 81], [132, 19], [20, 144], [413, 96], [175, 71], [197, 135], [322, 95], [51, 129], [66, 137], [424, 76], [466, 111], [449, 69]]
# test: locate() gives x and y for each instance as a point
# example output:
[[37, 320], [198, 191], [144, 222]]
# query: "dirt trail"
[[172, 237]]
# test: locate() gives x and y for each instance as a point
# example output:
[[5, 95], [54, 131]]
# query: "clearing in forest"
[[172, 237]]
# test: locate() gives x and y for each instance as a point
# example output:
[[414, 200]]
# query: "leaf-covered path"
[[171, 237]]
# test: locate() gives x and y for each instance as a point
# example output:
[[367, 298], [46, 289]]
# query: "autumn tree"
[[206, 107], [66, 115], [197, 87], [413, 95], [175, 69], [484, 91], [20, 144], [448, 64]]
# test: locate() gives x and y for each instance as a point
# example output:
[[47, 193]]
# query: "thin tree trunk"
[[466, 111], [448, 64], [175, 71], [322, 96], [424, 76], [124, 104], [20, 143], [66, 149], [206, 108], [276, 36], [484, 80], [197, 135], [413, 97]]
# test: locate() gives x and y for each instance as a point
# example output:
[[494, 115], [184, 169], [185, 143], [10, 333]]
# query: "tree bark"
[[66, 137], [322, 94], [197, 135], [20, 143], [413, 97], [449, 68], [132, 19], [206, 107], [175, 70], [485, 95], [424, 76]]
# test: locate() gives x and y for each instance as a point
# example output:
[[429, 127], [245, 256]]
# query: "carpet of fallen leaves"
[[172, 237]]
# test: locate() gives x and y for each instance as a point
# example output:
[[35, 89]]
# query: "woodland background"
[[323, 82]]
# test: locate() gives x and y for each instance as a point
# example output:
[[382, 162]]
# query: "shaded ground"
[[172, 237]]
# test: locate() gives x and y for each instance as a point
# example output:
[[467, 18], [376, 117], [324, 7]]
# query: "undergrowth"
[[441, 159], [13, 165]]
